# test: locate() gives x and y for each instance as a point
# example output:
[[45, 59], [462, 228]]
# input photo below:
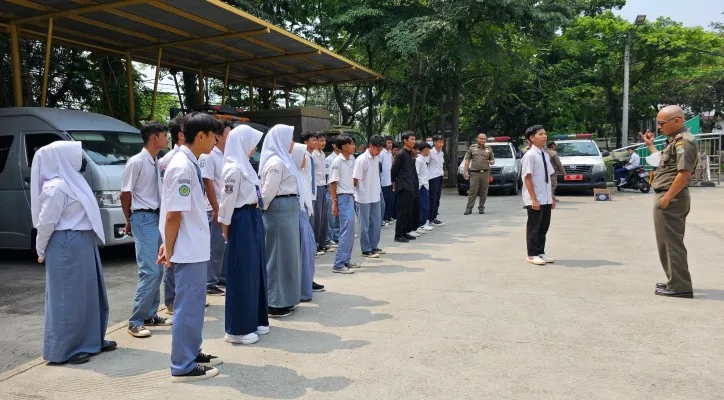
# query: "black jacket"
[[404, 173]]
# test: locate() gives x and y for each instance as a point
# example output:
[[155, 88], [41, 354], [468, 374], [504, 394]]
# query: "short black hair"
[[389, 138], [551, 144], [174, 127], [196, 122], [437, 138], [152, 128], [420, 146], [341, 140], [306, 135], [377, 141], [320, 135], [223, 124], [532, 130], [407, 135], [395, 145]]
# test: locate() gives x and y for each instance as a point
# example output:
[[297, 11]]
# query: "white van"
[[107, 143], [583, 162], [504, 174]]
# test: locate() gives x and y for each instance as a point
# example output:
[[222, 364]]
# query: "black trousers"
[[408, 210], [388, 194], [435, 194], [538, 223]]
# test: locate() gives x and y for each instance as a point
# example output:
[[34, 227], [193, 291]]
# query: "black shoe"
[[379, 251], [437, 222], [108, 345], [79, 358], [468, 212], [317, 287], [214, 291], [481, 211], [661, 285], [207, 360], [279, 312], [674, 293], [196, 374], [369, 254], [305, 300], [409, 237], [158, 321], [402, 239]]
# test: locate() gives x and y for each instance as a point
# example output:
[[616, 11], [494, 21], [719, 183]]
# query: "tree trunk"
[[452, 174], [191, 90]]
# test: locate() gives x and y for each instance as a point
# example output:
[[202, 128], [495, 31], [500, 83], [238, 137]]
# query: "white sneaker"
[[262, 330], [414, 234], [427, 227], [547, 259], [536, 260], [242, 339]]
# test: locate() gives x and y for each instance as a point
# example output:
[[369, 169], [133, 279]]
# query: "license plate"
[[490, 179], [573, 178]]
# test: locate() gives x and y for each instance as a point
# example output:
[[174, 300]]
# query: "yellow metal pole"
[[15, 54], [226, 84], [129, 79], [202, 86], [155, 82], [46, 69], [251, 95]]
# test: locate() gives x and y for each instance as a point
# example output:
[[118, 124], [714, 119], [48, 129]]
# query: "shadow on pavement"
[[387, 269], [304, 342], [339, 310], [407, 256], [709, 294], [586, 263]]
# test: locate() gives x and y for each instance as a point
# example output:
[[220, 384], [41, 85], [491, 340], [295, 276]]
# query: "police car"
[[504, 174], [582, 161]]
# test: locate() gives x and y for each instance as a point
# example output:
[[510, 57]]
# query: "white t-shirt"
[[367, 172], [435, 164], [140, 178], [183, 191], [212, 166], [532, 164], [341, 172], [422, 172]]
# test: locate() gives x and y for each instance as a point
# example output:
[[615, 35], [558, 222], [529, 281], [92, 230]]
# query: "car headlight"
[[508, 169], [108, 198], [599, 168]]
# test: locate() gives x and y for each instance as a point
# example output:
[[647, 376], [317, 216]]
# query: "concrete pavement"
[[458, 314]]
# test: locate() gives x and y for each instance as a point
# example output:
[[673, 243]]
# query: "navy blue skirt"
[[246, 303]]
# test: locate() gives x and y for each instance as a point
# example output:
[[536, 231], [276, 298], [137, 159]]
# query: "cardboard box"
[[603, 194]]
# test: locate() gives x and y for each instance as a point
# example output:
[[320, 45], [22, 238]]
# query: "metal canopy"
[[205, 36]]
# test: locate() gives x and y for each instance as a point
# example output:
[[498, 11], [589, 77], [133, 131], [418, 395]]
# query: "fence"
[[709, 148]]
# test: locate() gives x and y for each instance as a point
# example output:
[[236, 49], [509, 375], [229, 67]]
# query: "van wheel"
[[462, 192]]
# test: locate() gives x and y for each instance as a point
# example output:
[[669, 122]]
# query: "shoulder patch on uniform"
[[679, 136], [228, 189], [202, 163], [230, 180], [184, 182], [679, 149], [184, 191]]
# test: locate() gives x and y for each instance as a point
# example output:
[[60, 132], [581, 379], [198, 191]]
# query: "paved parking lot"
[[456, 314]]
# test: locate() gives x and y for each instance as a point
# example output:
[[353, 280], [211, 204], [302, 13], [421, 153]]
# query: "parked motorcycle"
[[636, 179]]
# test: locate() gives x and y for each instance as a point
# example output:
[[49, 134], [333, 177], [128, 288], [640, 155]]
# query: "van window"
[[502, 151], [6, 142], [106, 148], [34, 141], [572, 149]]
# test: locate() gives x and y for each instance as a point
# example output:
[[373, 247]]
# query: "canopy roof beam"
[[75, 11]]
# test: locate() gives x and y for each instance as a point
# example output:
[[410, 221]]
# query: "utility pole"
[[626, 67]]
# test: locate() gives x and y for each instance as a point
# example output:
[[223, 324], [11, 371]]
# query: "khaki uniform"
[[669, 224], [480, 158], [557, 169]]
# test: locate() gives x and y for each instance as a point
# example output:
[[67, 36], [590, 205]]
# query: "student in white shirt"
[[423, 150], [68, 222], [538, 195], [320, 205], [435, 168], [211, 168], [243, 229], [634, 162], [185, 230], [342, 192], [309, 171], [332, 220], [386, 179], [368, 195], [281, 186], [141, 201]]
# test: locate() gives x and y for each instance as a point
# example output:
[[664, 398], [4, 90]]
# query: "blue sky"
[[690, 12]]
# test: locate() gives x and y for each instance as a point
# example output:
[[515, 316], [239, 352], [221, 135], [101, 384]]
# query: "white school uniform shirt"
[[183, 191], [163, 162], [58, 212], [532, 164], [422, 173], [276, 180], [328, 164], [319, 168], [212, 166], [307, 173], [435, 164], [367, 172], [237, 192], [633, 162], [341, 172], [386, 161], [141, 179]]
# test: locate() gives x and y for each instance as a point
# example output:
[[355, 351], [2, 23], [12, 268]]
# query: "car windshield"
[[106, 148], [502, 151], [572, 149]]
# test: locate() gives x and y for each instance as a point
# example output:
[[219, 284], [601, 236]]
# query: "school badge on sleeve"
[[228, 189], [184, 191]]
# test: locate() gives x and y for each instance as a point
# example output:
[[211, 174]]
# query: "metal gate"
[[709, 147]]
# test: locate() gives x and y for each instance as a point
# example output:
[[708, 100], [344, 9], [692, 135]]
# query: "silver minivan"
[[107, 143]]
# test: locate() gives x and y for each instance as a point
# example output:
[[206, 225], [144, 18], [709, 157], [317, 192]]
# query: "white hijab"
[[240, 142], [58, 165], [277, 143], [298, 155]]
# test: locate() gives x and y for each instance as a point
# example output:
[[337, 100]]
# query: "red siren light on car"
[[501, 139], [584, 136]]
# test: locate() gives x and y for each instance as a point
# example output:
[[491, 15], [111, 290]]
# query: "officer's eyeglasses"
[[662, 123]]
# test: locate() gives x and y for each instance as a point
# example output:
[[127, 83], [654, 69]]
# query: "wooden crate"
[[603, 194]]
